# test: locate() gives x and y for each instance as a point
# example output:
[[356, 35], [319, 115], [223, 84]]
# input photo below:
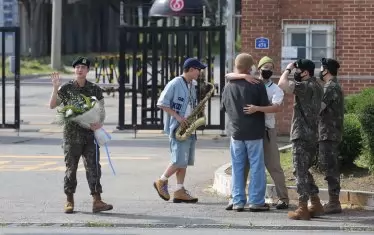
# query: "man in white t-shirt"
[[271, 152]]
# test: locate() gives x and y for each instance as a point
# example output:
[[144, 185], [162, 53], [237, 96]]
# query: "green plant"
[[356, 102], [352, 145], [366, 117]]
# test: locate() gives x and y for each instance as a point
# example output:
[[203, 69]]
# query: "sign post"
[[262, 43]]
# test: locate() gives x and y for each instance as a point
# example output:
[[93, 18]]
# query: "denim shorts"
[[182, 153]]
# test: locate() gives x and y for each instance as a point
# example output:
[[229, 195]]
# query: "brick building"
[[313, 29]]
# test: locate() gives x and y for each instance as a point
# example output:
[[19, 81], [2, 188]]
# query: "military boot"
[[69, 205], [316, 208], [99, 205], [301, 213], [333, 206]]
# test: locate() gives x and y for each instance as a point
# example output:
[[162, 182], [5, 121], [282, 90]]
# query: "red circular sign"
[[176, 5]]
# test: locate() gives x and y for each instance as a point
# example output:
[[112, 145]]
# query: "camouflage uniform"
[[304, 134], [78, 141], [330, 134]]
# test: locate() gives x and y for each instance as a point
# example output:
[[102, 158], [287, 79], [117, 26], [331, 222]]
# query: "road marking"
[[28, 163], [4, 162], [38, 166], [31, 157]]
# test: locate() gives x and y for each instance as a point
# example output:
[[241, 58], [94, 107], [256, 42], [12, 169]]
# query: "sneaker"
[[258, 208], [281, 205], [162, 189], [238, 208], [229, 206], [182, 195]]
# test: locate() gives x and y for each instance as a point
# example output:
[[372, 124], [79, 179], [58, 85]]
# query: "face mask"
[[321, 75], [266, 74], [297, 76]]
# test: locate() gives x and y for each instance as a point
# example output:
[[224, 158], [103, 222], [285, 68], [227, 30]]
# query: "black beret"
[[81, 60], [330, 64], [305, 64]]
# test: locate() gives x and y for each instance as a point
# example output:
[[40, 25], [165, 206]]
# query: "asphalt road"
[[144, 231], [32, 170]]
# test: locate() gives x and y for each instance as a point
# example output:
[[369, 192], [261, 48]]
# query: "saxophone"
[[194, 121]]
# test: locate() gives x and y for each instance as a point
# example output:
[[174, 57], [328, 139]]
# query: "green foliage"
[[356, 102], [366, 117], [351, 146], [362, 105]]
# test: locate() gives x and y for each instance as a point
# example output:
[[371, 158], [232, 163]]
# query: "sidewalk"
[[349, 199]]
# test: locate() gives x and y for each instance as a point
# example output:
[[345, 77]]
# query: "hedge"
[[351, 146]]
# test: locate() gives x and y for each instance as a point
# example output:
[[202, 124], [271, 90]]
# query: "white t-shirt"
[[189, 108], [275, 95]]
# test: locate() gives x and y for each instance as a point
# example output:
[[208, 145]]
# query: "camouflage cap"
[[81, 60]]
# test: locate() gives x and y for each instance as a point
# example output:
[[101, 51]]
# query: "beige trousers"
[[272, 164]]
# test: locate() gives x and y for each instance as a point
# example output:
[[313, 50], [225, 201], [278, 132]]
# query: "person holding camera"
[[304, 133]]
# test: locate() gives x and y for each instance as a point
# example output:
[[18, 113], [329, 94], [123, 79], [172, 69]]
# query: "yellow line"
[[13, 167], [30, 168], [4, 162], [62, 157]]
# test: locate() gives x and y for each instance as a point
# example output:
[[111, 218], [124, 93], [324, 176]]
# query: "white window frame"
[[308, 29]]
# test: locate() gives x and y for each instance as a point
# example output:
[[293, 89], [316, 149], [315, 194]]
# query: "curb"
[[348, 199], [302, 228]]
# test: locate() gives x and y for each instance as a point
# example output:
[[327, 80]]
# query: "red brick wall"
[[354, 38]]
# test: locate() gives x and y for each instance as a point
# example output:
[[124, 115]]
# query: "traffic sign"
[[262, 43]]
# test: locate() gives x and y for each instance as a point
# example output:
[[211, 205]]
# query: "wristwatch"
[[289, 70]]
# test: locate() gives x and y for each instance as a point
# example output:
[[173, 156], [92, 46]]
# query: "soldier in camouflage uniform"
[[78, 141], [330, 131], [304, 133]]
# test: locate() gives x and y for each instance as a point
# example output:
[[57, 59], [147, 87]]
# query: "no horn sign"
[[262, 43]]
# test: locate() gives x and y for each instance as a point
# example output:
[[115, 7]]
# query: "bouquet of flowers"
[[84, 111]]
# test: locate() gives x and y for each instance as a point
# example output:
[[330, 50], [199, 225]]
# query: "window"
[[307, 41]]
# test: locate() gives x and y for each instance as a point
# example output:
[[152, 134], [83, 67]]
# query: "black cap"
[[81, 60], [305, 64], [330, 64]]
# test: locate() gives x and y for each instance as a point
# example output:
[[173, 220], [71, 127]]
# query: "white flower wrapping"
[[93, 116]]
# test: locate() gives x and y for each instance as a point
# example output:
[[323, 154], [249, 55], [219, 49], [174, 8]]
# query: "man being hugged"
[[247, 133], [271, 152]]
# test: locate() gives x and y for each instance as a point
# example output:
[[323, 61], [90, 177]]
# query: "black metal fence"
[[10, 77], [151, 56]]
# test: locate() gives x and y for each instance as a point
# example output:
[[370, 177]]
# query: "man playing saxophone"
[[178, 100]]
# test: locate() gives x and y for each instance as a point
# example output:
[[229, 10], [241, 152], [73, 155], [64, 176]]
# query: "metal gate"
[[10, 77], [151, 56]]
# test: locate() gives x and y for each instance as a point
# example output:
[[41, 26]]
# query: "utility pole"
[[56, 34], [230, 42], [230, 34]]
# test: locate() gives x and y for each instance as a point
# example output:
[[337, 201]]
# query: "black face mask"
[[321, 75], [266, 74], [297, 76]]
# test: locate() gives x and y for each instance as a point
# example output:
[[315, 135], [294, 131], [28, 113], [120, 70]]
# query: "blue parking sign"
[[262, 43]]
